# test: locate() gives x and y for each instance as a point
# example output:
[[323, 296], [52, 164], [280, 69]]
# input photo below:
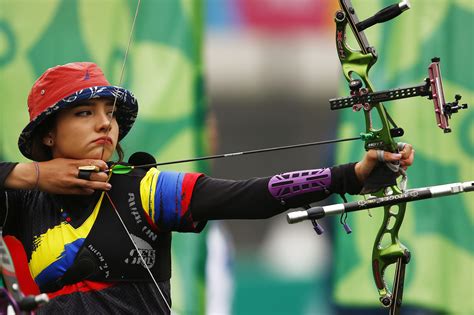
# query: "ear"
[[48, 140]]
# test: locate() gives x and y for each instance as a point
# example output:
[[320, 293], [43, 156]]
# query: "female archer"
[[100, 241]]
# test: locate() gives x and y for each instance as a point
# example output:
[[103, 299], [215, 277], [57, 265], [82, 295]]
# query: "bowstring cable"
[[122, 72], [138, 252]]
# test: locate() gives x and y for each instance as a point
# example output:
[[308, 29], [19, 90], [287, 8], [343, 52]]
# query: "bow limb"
[[387, 249]]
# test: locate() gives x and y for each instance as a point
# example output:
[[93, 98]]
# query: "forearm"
[[18, 175], [300, 188], [220, 199], [261, 198], [57, 176]]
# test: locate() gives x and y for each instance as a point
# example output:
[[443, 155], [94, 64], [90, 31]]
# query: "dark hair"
[[120, 153], [41, 152]]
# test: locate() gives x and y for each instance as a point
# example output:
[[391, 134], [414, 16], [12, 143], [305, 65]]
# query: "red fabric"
[[282, 16], [152, 224], [62, 81], [189, 182], [82, 286], [26, 283]]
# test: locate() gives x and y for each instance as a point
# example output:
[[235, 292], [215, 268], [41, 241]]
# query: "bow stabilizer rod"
[[370, 203]]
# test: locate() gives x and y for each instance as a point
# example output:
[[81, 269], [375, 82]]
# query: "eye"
[[83, 113]]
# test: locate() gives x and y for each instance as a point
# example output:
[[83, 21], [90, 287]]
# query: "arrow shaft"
[[249, 152]]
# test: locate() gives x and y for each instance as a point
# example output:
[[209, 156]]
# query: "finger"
[[408, 161], [407, 150], [94, 185], [83, 191], [391, 157], [99, 177], [401, 146], [101, 164], [86, 175], [89, 162]]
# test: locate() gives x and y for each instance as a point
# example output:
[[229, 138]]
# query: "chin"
[[99, 156], [107, 155]]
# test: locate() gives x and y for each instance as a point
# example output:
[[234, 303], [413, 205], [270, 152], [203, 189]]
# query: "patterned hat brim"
[[126, 112]]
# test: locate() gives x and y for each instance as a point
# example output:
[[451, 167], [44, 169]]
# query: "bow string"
[[122, 73]]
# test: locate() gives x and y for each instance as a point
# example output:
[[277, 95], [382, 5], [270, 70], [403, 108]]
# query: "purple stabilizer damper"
[[287, 185]]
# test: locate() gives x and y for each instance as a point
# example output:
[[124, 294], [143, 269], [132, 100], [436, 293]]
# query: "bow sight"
[[361, 98]]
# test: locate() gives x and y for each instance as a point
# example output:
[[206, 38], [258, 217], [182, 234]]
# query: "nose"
[[104, 123]]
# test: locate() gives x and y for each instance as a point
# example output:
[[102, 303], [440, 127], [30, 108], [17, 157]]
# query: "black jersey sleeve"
[[10, 202], [5, 169], [215, 199]]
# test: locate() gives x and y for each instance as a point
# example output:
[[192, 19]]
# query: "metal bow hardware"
[[387, 249]]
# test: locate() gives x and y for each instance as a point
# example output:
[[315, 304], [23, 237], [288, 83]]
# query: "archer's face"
[[81, 131]]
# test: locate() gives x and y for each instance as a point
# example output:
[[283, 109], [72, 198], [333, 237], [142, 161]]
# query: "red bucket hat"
[[62, 86]]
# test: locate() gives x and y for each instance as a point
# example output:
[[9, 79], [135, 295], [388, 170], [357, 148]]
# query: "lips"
[[103, 140]]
